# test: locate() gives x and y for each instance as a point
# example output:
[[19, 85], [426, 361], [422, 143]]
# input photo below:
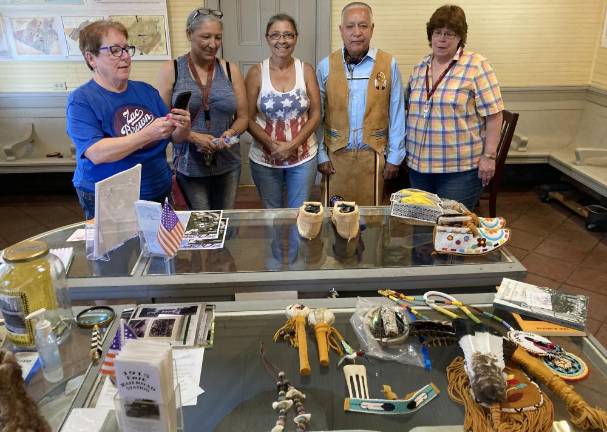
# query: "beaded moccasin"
[[346, 218], [468, 240], [472, 219], [309, 219]]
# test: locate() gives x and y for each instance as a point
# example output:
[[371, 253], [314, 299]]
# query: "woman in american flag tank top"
[[284, 112]]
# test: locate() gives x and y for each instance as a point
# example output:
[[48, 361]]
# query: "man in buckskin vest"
[[364, 113]]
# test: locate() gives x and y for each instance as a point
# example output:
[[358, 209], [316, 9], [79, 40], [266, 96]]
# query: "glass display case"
[[239, 392], [263, 252]]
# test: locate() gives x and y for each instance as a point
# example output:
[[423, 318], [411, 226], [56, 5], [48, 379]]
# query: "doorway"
[[244, 25]]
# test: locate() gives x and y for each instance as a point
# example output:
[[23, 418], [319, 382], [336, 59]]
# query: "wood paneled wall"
[[529, 43]]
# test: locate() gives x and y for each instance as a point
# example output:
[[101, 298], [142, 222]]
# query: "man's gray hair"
[[357, 4]]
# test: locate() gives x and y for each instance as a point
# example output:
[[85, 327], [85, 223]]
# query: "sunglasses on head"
[[206, 11]]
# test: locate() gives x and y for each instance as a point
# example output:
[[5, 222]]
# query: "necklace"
[[288, 397], [430, 91], [205, 90]]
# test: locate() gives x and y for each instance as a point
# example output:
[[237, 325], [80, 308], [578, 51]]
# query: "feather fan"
[[484, 358]]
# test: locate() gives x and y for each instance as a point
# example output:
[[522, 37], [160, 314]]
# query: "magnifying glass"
[[95, 317]]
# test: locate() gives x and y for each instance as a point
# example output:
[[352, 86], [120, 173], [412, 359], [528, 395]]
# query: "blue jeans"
[[87, 201], [464, 187], [271, 183], [216, 192]]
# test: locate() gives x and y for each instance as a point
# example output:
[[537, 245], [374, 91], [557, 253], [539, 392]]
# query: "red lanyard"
[[204, 90], [430, 92]]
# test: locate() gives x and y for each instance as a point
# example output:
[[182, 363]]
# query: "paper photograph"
[[142, 409], [152, 312], [203, 225], [139, 326], [202, 243], [168, 329], [163, 328]]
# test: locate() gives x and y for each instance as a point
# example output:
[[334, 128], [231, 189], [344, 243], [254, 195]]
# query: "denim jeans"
[[271, 183], [87, 201], [464, 186], [216, 192]]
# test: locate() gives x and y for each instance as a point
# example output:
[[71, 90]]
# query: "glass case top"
[[268, 240]]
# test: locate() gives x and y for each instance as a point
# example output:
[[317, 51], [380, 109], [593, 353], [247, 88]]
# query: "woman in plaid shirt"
[[454, 114]]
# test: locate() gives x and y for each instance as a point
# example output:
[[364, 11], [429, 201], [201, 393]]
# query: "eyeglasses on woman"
[[117, 50], [205, 11], [277, 36], [446, 34]]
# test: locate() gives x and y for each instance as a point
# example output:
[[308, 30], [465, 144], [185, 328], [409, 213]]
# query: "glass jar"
[[32, 278]]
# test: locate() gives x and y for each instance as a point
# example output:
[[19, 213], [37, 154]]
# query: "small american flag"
[[171, 231], [123, 332]]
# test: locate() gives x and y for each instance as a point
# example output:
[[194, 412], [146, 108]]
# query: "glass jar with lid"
[[32, 278]]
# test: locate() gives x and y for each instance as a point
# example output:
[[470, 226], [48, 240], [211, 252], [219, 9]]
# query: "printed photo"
[[151, 312], [139, 327], [200, 243], [203, 225], [142, 409], [162, 327]]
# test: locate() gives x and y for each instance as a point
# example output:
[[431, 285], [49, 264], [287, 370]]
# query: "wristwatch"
[[488, 156]]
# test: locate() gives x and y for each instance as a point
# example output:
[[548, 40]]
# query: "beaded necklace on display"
[[288, 396]]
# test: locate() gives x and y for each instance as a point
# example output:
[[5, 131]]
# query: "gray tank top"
[[222, 102]]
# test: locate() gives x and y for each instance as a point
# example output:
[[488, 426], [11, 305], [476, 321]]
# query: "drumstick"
[[322, 319], [299, 313]]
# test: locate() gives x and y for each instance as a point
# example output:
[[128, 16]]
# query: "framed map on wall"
[[5, 53], [71, 31], [37, 36], [146, 32], [39, 2], [48, 30]]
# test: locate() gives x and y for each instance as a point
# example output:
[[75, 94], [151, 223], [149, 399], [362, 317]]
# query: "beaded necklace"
[[288, 397]]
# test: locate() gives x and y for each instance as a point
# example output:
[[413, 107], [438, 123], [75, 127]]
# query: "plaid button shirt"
[[448, 136]]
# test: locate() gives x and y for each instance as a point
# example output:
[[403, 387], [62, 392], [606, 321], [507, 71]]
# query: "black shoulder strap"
[[228, 70], [176, 73]]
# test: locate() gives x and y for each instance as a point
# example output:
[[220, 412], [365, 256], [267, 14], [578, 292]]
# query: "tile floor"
[[550, 241]]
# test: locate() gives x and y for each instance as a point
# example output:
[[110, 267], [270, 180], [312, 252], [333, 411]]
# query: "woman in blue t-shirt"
[[116, 123]]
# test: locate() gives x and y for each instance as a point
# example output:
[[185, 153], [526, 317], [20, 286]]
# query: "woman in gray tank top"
[[208, 169]]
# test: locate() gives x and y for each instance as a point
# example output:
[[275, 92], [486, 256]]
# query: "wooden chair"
[[508, 126]]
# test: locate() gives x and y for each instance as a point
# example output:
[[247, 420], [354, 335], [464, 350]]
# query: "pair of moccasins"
[[345, 216], [469, 234]]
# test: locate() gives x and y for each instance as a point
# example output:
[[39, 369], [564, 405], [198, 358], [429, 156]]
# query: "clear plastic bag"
[[399, 347]]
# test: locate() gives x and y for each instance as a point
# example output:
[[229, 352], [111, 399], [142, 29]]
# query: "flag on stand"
[[123, 332], [171, 231]]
